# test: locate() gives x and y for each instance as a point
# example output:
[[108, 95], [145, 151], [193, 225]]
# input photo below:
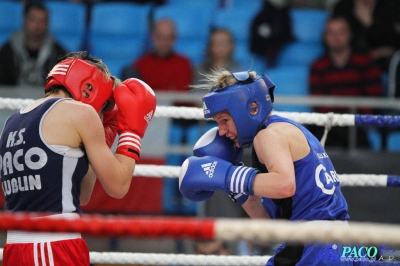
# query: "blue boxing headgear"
[[249, 102]]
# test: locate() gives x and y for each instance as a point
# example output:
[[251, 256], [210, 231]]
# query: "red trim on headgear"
[[85, 82]]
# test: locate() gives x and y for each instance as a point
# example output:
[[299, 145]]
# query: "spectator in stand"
[[375, 25], [162, 68], [271, 30], [31, 52], [219, 54], [343, 72]]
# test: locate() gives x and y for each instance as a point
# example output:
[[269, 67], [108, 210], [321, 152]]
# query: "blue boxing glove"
[[200, 177], [212, 144]]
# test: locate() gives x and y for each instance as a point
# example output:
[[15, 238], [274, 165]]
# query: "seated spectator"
[[343, 72], [162, 68], [31, 52], [270, 30], [375, 25], [219, 54]]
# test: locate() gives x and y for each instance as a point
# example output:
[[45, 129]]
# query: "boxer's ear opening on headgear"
[[254, 107]]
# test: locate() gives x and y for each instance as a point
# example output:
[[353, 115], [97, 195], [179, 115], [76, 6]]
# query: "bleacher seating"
[[11, 18], [67, 23], [290, 80], [374, 139], [118, 32], [192, 26], [252, 4], [238, 21], [308, 24], [393, 141], [300, 53]]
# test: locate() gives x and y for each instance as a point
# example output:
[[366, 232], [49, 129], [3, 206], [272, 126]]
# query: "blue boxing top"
[[249, 102]]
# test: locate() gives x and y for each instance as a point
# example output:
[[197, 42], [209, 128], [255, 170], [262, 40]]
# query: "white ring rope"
[[232, 229], [349, 180], [168, 259], [175, 259], [197, 113], [327, 232]]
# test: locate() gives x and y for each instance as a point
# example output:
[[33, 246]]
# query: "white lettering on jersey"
[[24, 183], [328, 178], [35, 158], [11, 138]]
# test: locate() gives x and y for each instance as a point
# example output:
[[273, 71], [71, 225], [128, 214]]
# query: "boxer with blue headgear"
[[249, 102], [290, 179]]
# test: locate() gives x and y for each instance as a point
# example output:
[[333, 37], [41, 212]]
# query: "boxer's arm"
[[87, 186]]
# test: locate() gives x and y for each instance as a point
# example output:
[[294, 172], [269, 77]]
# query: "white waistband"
[[16, 236]]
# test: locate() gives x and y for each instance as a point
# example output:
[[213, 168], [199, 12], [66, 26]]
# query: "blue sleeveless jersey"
[[318, 195], [37, 177]]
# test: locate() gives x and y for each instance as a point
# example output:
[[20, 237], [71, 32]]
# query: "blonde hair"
[[219, 78]]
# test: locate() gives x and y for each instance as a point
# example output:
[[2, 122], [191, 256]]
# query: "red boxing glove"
[[136, 103], [110, 124]]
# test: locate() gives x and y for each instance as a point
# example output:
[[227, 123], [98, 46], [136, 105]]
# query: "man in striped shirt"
[[343, 72]]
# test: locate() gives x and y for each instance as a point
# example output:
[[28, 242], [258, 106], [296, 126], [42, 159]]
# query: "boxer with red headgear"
[[85, 81], [60, 148]]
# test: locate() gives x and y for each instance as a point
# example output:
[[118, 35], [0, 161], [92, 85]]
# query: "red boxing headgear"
[[84, 81]]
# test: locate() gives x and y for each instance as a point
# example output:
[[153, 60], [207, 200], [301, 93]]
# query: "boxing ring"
[[195, 228]]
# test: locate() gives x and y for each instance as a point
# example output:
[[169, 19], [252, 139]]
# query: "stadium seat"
[[290, 81], [192, 26], [374, 139], [191, 23], [308, 24], [300, 53], [205, 4], [193, 49], [393, 141], [237, 20], [248, 60], [68, 23], [118, 39], [11, 18], [253, 4]]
